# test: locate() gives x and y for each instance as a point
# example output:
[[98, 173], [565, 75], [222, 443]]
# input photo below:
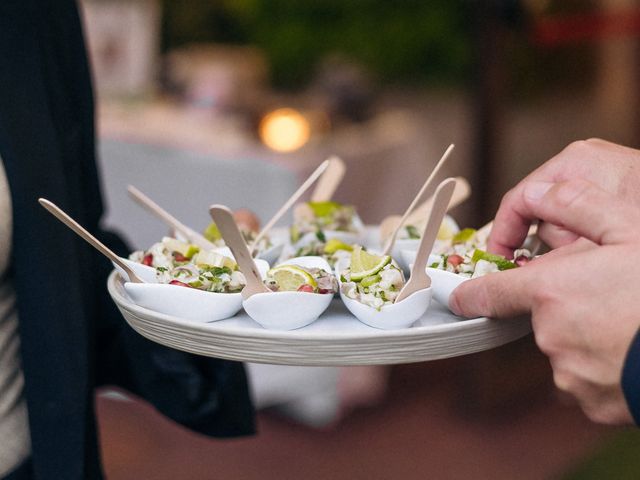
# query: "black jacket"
[[73, 339]]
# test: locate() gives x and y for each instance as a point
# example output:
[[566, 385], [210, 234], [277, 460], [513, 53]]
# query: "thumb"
[[582, 208], [497, 295]]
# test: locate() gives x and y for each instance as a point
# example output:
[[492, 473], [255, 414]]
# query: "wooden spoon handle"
[[460, 194], [155, 209], [427, 185], [84, 234], [329, 181], [289, 203], [235, 241], [419, 278]]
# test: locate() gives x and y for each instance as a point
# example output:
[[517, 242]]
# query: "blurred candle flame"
[[284, 130]]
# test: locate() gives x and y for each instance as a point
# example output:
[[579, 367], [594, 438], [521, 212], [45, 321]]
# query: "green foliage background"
[[406, 41]]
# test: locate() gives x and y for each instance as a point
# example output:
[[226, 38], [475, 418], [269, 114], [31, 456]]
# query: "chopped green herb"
[[412, 231]]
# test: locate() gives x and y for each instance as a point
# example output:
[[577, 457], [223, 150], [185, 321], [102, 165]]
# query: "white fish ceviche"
[[466, 255], [322, 216], [183, 264], [370, 279], [332, 250]]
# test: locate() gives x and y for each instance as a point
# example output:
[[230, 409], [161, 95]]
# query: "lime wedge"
[[365, 264], [333, 245], [291, 277], [212, 233], [499, 260], [368, 281], [323, 209], [463, 235]]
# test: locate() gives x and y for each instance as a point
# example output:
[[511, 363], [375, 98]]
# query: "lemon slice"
[[291, 277], [212, 233], [365, 264]]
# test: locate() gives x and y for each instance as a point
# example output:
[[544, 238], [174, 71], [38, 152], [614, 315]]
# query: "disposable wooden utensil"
[[290, 202], [235, 241], [460, 194], [425, 187], [329, 181], [419, 280], [172, 222], [93, 241]]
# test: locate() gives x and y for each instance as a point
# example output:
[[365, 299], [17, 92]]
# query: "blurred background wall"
[[196, 94]]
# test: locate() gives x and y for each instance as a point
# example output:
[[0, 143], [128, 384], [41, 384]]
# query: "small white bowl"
[[443, 283], [389, 317], [271, 254], [188, 303], [404, 249], [289, 310], [146, 273]]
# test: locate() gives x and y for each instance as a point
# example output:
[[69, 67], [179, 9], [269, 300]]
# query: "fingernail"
[[536, 190]]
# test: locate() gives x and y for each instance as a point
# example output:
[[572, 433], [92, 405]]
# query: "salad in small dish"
[[369, 285], [409, 239], [326, 219], [209, 283], [301, 289], [466, 257]]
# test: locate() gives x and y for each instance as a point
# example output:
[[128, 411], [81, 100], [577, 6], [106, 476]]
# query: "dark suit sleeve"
[[207, 395], [631, 378]]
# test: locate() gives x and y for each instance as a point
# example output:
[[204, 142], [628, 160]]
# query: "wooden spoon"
[[289, 203], [152, 207], [419, 279], [235, 241], [460, 194], [93, 241], [329, 181], [427, 184]]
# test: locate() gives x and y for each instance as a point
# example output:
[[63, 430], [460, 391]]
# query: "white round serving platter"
[[336, 338]]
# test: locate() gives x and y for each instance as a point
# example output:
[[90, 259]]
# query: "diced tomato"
[[148, 260], [454, 260], [179, 283], [305, 288], [178, 257], [324, 290]]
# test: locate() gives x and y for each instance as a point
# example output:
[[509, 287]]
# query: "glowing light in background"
[[284, 130]]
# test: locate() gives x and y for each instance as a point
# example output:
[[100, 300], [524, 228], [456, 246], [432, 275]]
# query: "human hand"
[[583, 297], [612, 167]]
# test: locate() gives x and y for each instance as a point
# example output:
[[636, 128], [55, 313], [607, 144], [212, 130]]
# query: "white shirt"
[[15, 442]]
